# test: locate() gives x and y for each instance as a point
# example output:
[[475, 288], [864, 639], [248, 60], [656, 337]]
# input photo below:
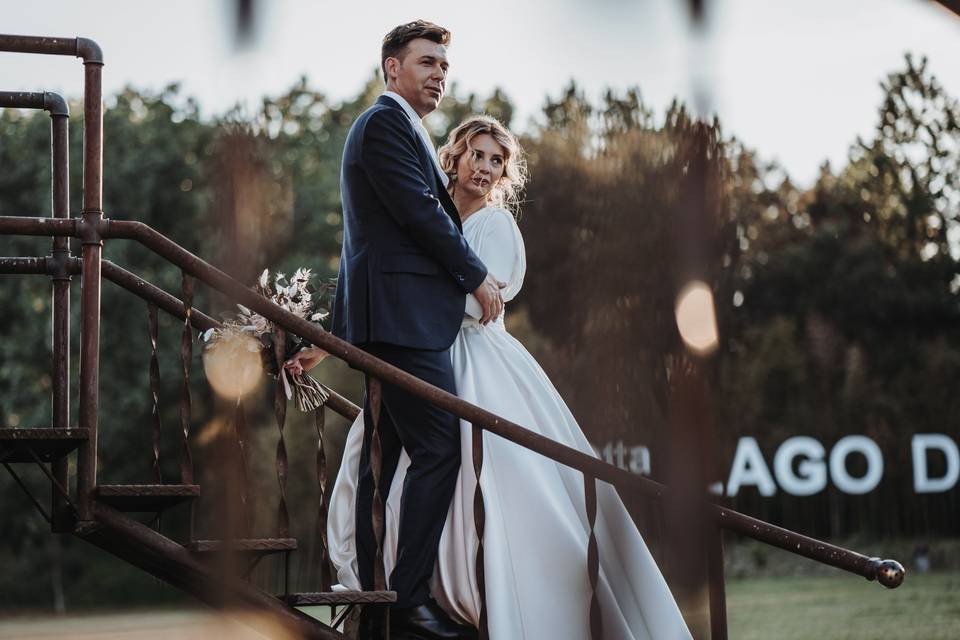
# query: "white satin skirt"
[[536, 529]]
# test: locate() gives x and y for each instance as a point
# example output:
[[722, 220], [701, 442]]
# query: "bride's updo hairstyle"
[[506, 193]]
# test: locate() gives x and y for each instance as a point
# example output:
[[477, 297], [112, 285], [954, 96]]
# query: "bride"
[[536, 532]]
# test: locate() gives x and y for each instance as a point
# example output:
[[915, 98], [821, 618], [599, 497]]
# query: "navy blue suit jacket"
[[405, 268]]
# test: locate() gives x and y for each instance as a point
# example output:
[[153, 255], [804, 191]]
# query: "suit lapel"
[[450, 208], [429, 167], [438, 187]]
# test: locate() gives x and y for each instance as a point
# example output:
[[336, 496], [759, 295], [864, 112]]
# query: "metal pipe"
[[90, 289], [77, 47], [52, 102], [36, 266], [22, 226], [887, 572], [718, 589], [60, 305]]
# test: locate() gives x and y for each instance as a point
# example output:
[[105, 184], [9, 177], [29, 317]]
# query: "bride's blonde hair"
[[506, 193]]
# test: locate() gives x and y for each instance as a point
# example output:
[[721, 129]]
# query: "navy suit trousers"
[[431, 437]]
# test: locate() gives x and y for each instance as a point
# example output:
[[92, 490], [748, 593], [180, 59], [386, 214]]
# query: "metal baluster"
[[155, 421], [322, 507], [91, 256], [479, 521], [280, 413], [186, 359], [240, 436], [593, 557], [60, 307], [376, 463], [715, 574]]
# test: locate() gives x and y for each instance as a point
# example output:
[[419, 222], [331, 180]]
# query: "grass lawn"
[[843, 607]]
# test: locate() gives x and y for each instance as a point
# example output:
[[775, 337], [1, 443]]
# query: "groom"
[[405, 271]]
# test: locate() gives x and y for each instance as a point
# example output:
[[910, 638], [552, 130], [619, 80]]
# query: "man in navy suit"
[[405, 271]]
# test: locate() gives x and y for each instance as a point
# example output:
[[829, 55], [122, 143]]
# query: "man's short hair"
[[395, 42]]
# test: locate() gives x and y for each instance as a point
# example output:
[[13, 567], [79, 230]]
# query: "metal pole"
[[90, 288], [60, 279], [718, 589]]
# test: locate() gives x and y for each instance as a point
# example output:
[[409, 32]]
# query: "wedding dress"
[[536, 528]]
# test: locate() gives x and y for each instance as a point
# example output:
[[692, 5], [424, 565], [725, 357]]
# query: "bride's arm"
[[500, 247]]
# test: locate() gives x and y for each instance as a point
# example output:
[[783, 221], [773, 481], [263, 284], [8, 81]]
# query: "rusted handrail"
[[888, 572]]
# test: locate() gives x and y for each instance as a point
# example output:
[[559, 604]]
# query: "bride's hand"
[[305, 360]]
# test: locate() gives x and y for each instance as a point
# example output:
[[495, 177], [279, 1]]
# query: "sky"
[[797, 80]]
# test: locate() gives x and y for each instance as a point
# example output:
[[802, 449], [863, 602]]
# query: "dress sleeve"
[[500, 247]]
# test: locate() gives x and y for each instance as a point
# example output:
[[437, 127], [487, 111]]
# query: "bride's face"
[[481, 166]]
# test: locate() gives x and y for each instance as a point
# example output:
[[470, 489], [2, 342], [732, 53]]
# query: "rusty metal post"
[[92, 248], [718, 589], [60, 277]]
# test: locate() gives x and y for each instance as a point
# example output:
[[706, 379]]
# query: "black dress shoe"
[[427, 622]]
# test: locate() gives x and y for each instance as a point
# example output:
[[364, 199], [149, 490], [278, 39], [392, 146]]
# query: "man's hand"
[[488, 295], [304, 360]]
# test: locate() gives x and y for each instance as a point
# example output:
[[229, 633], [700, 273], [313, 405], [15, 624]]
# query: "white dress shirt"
[[420, 129]]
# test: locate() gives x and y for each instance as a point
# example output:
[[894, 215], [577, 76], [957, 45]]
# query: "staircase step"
[[339, 598], [48, 443], [244, 546], [145, 497]]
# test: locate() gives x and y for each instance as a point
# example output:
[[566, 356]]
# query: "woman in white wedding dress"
[[536, 528]]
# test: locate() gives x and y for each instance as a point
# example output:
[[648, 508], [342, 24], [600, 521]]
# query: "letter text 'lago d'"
[[802, 466]]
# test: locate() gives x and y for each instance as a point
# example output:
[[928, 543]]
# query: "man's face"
[[421, 77]]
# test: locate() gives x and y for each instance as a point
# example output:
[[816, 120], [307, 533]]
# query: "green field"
[[821, 607], [842, 607]]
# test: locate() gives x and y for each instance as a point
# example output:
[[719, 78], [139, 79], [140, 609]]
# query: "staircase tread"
[[146, 497], [48, 443], [244, 545], [148, 489], [340, 597]]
